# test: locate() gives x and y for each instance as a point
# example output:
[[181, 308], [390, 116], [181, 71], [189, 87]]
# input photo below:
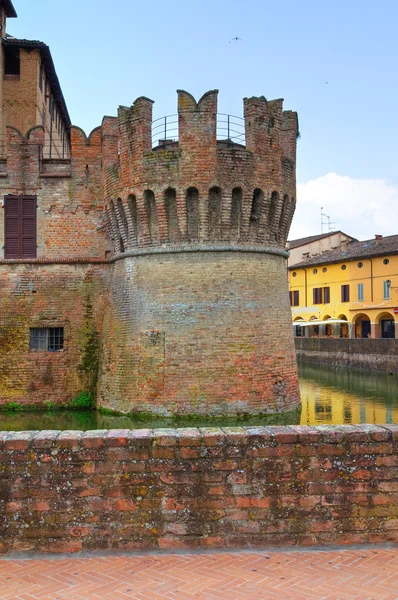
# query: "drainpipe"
[[371, 279], [305, 287]]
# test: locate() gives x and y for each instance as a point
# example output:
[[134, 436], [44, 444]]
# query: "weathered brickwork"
[[188, 488], [37, 295], [183, 246], [371, 354]]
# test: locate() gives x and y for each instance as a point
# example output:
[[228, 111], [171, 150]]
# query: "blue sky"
[[335, 62]]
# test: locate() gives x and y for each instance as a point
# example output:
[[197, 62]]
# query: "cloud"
[[359, 207]]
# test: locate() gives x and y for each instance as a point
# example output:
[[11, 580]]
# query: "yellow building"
[[356, 283]]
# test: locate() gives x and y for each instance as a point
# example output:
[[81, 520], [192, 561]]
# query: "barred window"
[[46, 339]]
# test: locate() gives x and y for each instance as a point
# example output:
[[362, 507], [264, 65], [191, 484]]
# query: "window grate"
[[46, 339]]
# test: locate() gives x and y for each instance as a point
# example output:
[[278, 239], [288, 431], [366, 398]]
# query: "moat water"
[[330, 396]]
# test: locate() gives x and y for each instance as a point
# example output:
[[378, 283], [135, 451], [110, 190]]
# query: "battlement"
[[195, 189]]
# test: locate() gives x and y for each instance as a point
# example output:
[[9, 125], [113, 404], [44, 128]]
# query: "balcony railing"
[[230, 128]]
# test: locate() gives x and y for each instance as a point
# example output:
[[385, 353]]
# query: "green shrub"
[[82, 400]]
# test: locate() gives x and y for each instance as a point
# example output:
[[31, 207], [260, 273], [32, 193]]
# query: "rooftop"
[[9, 8], [379, 246], [313, 238]]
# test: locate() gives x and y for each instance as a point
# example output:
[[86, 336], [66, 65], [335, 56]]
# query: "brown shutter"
[[28, 229], [20, 227], [12, 227]]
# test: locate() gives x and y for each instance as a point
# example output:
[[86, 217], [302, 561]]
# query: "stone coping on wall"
[[194, 436]]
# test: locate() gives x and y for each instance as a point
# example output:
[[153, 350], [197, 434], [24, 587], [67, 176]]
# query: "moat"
[[330, 396]]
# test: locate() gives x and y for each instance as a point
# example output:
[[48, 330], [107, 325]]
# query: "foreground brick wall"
[[371, 354], [234, 487]]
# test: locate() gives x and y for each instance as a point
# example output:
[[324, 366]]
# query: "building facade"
[[356, 283], [151, 277]]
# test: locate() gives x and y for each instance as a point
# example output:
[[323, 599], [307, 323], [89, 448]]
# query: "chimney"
[[378, 236]]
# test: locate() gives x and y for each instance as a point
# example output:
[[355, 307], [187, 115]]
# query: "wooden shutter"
[[20, 227], [12, 226], [28, 229]]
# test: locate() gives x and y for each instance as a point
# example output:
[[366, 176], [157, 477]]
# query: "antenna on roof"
[[325, 221]]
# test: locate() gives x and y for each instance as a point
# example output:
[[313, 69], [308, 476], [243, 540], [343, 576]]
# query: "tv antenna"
[[326, 222]]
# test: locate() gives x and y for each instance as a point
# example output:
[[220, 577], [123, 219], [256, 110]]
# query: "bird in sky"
[[235, 39]]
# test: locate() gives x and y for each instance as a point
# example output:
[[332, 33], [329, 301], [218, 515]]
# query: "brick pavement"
[[341, 574]]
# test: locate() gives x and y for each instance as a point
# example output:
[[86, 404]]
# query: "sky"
[[333, 61]]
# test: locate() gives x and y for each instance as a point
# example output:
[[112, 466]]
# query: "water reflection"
[[335, 396], [329, 396]]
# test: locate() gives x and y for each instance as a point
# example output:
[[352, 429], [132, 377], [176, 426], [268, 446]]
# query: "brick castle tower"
[[198, 319]]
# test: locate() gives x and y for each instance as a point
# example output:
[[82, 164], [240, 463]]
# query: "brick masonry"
[[370, 354], [179, 250], [188, 488]]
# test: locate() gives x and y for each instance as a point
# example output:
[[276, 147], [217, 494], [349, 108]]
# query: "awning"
[[319, 322]]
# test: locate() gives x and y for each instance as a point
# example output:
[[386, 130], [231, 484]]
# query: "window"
[[345, 293], [11, 61], [317, 295], [324, 270], [360, 265], [294, 274], [315, 271], [386, 287], [20, 227], [386, 261], [360, 292], [294, 298], [46, 339], [321, 295], [343, 267]]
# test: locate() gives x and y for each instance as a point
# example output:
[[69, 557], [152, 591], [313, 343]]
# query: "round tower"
[[199, 320]]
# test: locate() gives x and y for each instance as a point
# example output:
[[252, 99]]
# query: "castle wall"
[[43, 295], [69, 203], [198, 320], [198, 488], [198, 332]]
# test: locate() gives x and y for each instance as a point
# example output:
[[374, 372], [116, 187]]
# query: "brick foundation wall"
[[187, 488], [370, 354]]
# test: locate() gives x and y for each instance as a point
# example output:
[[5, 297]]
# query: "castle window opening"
[[46, 339], [12, 64]]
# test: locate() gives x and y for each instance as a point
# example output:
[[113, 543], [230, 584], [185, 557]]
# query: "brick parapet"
[[198, 487], [266, 167]]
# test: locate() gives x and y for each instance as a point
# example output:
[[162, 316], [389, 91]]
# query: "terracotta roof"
[[313, 238], [353, 251], [9, 8], [50, 71]]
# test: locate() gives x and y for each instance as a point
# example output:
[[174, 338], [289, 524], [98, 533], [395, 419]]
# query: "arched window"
[[236, 212], [192, 200], [170, 205], [214, 213], [152, 216]]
